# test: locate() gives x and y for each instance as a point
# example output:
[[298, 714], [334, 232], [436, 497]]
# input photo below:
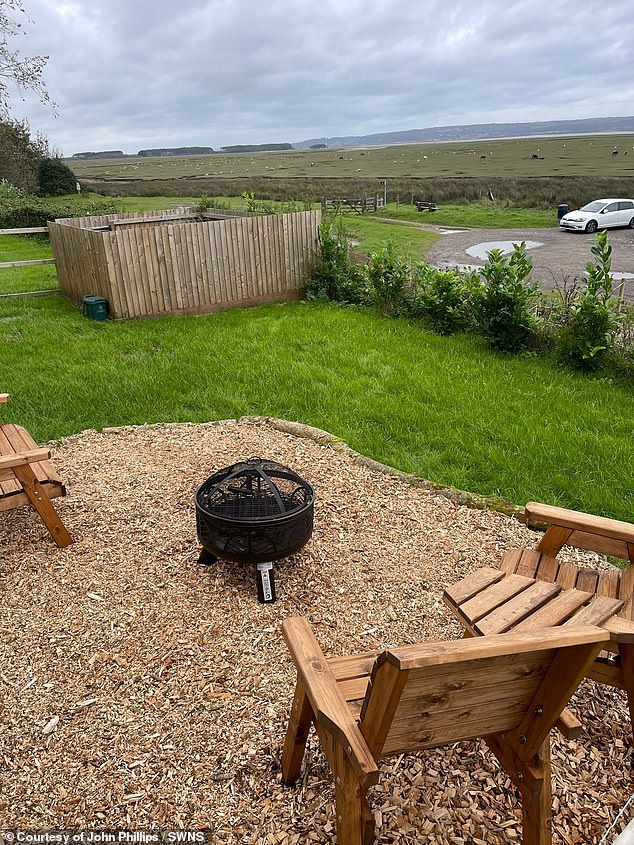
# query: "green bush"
[[20, 210], [205, 203], [335, 276], [387, 275], [444, 298], [55, 178], [590, 323], [503, 305]]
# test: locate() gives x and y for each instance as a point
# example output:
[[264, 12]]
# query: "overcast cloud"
[[129, 74]]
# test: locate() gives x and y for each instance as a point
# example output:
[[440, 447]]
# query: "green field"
[[569, 156]]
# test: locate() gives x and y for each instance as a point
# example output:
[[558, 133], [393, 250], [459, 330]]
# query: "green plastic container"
[[95, 307]]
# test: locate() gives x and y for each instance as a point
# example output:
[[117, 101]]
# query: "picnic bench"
[[508, 689], [28, 477], [532, 589], [425, 206]]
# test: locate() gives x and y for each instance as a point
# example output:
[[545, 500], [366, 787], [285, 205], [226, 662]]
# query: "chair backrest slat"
[[425, 696], [472, 699]]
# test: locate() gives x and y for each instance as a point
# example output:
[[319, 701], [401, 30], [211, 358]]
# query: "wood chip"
[[172, 684], [50, 726]]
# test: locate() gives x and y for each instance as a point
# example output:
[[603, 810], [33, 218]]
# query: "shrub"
[[20, 209], [444, 298], [10, 192], [503, 305], [335, 277], [55, 178], [590, 323], [387, 276], [205, 203]]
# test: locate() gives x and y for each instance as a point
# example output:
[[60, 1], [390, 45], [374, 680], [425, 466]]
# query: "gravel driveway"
[[557, 255]]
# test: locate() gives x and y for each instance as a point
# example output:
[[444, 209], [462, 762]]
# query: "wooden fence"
[[347, 206], [30, 230], [172, 263]]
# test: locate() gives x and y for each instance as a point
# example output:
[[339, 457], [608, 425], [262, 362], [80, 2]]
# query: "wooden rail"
[[29, 230], [32, 230], [31, 263]]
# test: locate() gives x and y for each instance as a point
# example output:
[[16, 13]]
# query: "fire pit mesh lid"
[[254, 489]]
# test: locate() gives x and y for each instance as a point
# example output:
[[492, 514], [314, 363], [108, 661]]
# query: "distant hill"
[[176, 151], [480, 132], [102, 154], [256, 148]]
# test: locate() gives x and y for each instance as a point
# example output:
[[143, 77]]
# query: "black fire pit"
[[255, 512]]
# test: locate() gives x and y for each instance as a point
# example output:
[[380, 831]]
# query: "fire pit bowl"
[[255, 512]]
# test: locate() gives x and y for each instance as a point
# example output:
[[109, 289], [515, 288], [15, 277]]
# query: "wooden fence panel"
[[179, 265]]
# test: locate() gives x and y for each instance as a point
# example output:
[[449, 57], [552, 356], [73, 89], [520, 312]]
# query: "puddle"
[[452, 231], [482, 250]]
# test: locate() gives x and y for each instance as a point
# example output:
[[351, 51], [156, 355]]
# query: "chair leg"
[[626, 653], [296, 735], [537, 804], [532, 780], [367, 820], [39, 499], [350, 802]]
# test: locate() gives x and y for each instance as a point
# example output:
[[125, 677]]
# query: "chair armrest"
[[577, 521], [20, 458], [329, 705]]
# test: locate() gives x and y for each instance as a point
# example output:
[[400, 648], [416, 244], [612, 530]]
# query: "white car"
[[600, 214]]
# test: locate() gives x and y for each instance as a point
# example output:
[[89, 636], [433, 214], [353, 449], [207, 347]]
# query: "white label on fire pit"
[[266, 587], [265, 581]]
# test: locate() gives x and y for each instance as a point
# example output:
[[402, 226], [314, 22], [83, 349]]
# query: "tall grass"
[[520, 191], [444, 408]]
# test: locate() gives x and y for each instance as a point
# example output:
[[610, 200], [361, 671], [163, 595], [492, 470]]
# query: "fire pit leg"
[[266, 583], [205, 558]]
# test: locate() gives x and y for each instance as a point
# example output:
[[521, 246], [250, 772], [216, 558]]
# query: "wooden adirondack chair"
[[27, 477], [508, 689], [615, 666]]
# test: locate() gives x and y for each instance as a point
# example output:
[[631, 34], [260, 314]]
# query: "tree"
[[55, 178], [22, 72], [20, 155]]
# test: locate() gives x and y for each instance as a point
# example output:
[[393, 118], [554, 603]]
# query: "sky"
[[133, 74]]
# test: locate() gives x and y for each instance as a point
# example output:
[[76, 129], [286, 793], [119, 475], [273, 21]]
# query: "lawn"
[[370, 234], [446, 409], [475, 215]]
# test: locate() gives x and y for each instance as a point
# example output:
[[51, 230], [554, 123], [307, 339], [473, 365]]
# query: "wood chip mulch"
[[140, 690]]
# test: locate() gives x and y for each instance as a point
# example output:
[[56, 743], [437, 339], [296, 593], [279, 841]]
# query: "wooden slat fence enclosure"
[[150, 267]]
